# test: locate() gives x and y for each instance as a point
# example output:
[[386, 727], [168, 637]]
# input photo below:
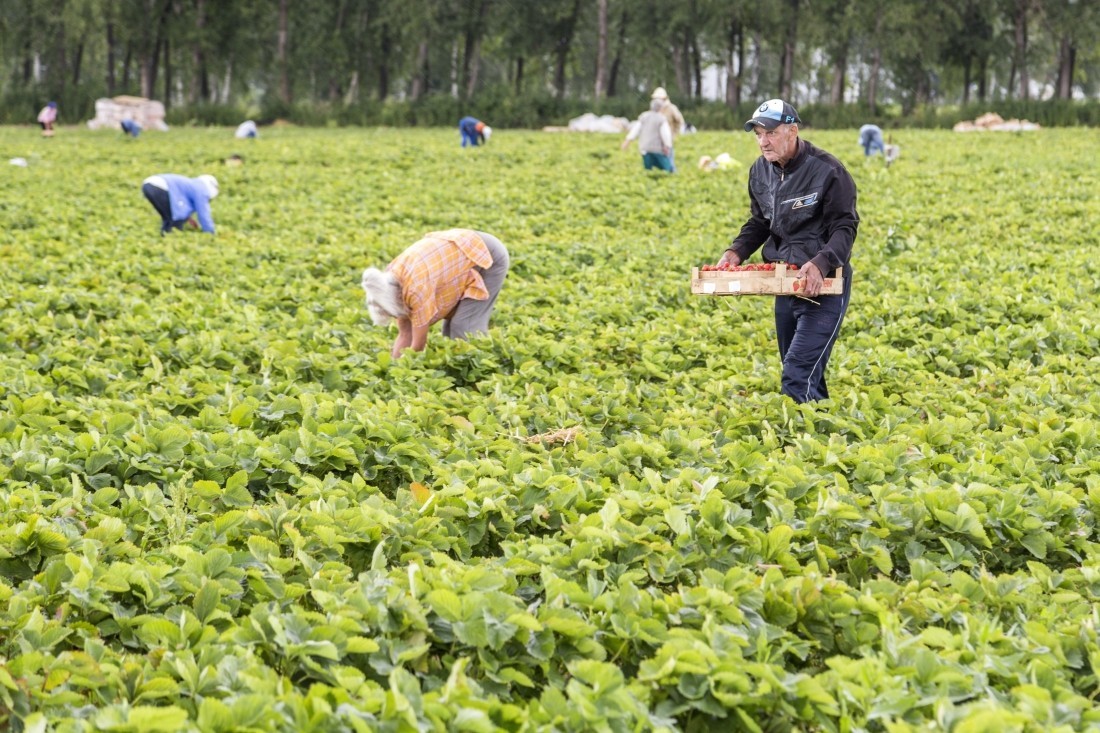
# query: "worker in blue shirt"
[[474, 131], [870, 139], [176, 198]]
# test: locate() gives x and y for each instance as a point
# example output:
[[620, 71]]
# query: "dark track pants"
[[806, 334], [158, 197]]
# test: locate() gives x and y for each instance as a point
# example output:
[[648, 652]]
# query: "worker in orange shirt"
[[452, 276]]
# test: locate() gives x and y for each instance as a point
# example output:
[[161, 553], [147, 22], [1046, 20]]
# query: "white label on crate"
[[735, 286], [708, 288]]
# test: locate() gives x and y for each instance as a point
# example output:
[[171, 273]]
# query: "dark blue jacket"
[[803, 212]]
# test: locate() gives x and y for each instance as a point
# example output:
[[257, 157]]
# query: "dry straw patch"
[[560, 435]]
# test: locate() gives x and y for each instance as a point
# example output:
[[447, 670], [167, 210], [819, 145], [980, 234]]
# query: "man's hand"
[[812, 281], [729, 257]]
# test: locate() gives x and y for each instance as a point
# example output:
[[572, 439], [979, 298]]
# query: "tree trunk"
[[167, 73], [227, 79], [754, 79], [126, 62], [922, 95], [148, 58], [601, 50], [966, 80], [562, 47], [282, 45], [616, 63], [200, 84], [454, 69], [681, 62], [678, 67], [77, 60], [28, 62], [384, 63], [475, 28], [1020, 57], [872, 81], [1067, 56], [876, 64], [983, 74], [840, 70], [790, 44], [419, 82], [473, 66], [735, 63], [56, 67], [360, 59], [110, 58], [335, 72], [696, 67], [519, 76], [353, 89], [149, 72], [58, 75]]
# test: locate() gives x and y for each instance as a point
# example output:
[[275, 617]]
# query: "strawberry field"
[[226, 509]]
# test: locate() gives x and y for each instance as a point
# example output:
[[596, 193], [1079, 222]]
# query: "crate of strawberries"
[[760, 278]]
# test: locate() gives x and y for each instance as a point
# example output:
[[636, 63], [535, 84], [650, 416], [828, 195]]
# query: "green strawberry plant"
[[227, 508]]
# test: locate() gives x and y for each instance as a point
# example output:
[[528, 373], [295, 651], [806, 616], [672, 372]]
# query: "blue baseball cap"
[[772, 114]]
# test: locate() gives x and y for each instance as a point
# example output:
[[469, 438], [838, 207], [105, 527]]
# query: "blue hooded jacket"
[[189, 196]]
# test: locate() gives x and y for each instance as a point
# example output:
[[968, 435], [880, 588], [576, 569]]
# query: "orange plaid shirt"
[[438, 271]]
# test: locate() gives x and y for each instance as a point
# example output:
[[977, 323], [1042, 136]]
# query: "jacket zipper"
[[775, 194]]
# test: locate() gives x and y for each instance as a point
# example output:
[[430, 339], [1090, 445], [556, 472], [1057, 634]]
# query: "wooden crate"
[[779, 281]]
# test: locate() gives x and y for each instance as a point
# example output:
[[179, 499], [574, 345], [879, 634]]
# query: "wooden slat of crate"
[[757, 282]]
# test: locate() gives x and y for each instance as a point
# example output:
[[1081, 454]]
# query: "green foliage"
[[532, 64], [226, 508], [502, 109]]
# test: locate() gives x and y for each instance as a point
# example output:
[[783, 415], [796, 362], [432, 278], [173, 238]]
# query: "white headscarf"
[[211, 184], [383, 296]]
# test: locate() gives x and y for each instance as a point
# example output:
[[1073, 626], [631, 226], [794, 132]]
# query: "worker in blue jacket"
[[870, 139], [176, 198], [474, 131]]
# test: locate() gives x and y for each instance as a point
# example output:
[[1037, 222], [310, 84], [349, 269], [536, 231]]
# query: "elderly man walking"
[[803, 212], [654, 138], [675, 120]]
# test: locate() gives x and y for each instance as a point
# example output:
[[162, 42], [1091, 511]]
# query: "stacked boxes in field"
[[109, 113]]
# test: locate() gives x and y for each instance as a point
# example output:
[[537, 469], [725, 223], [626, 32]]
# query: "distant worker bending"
[[474, 131], [177, 198], [870, 139], [452, 276], [46, 119]]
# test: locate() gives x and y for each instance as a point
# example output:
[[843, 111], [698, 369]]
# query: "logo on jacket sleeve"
[[803, 202]]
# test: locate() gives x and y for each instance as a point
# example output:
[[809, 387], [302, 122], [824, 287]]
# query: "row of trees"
[[245, 53]]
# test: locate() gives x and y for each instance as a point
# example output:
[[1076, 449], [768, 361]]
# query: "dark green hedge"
[[502, 108]]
